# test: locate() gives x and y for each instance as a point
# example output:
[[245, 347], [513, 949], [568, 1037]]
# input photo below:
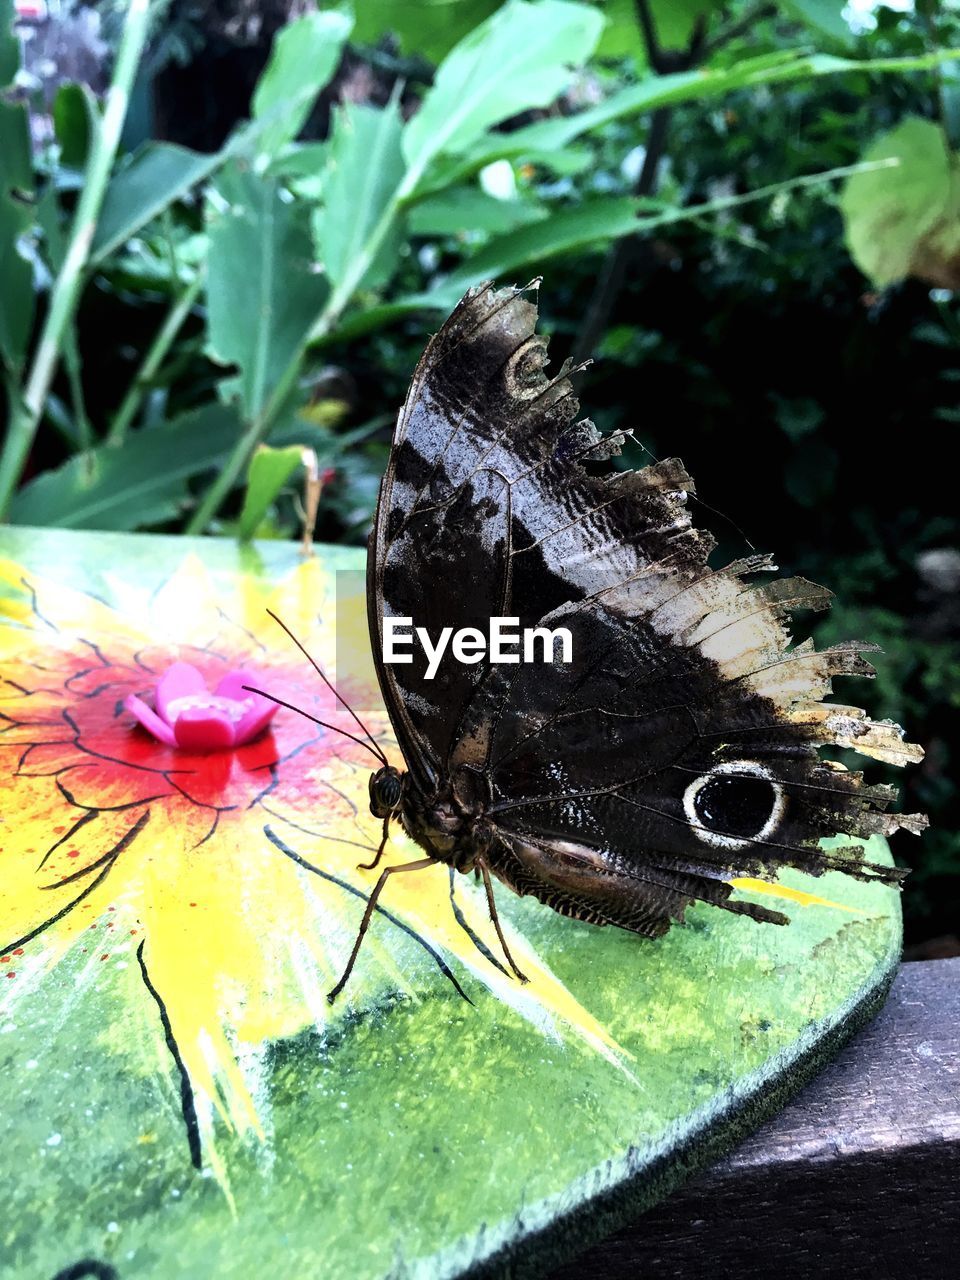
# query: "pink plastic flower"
[[189, 716]]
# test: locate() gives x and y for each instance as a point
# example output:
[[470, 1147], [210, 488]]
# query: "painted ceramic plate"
[[180, 1099]]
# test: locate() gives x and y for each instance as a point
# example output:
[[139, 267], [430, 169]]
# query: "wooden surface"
[[858, 1176]]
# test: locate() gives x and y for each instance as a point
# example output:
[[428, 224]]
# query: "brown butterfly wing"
[[632, 780]]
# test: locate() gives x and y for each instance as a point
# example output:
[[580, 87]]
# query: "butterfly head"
[[386, 791]]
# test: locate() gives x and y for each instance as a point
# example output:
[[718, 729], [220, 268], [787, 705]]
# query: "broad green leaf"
[[16, 215], [367, 319], [9, 45], [565, 163], [140, 484], [262, 290], [160, 173], [593, 222], [430, 28], [315, 433], [449, 171], [463, 209], [621, 35], [518, 59], [552, 136], [304, 56], [824, 15], [905, 220], [76, 122], [303, 167], [675, 20], [427, 29], [269, 471], [578, 227], [157, 175], [365, 169]]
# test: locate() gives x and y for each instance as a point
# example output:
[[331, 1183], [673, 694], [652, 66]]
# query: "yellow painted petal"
[[749, 885]]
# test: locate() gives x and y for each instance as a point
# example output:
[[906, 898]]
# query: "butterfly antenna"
[[722, 515], [321, 673], [323, 723]]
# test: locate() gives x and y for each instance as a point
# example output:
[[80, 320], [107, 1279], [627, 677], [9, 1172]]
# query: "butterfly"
[[677, 748]]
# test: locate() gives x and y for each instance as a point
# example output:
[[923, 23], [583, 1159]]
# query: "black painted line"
[[188, 1106], [35, 933], [358, 893]]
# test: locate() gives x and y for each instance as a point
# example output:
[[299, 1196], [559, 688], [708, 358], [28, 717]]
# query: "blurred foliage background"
[[226, 230]]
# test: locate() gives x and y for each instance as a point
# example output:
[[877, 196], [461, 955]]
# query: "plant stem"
[[155, 356], [691, 212], [65, 295], [71, 356]]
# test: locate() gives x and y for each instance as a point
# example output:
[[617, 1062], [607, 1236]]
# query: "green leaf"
[[810, 475], [905, 220], [825, 16], [621, 35], [304, 56], [140, 484], [595, 221], [76, 122], [158, 174], [269, 471], [797, 416], [428, 29], [548, 137], [365, 169], [262, 290], [577, 227], [463, 209], [518, 59], [9, 45], [676, 20], [304, 166], [16, 211], [357, 324], [448, 171]]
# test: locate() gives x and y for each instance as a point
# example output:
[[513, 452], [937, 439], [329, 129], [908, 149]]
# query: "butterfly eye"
[[386, 788], [734, 805]]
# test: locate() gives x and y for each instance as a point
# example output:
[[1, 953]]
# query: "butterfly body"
[[677, 748]]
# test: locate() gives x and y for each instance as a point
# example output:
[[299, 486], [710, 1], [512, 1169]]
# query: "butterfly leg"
[[371, 905], [369, 866], [488, 886]]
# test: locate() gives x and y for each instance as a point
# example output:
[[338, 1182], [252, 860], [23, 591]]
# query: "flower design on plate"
[[157, 817], [195, 718]]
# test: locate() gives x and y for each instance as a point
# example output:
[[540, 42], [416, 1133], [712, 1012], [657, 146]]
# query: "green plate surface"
[[178, 1098]]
